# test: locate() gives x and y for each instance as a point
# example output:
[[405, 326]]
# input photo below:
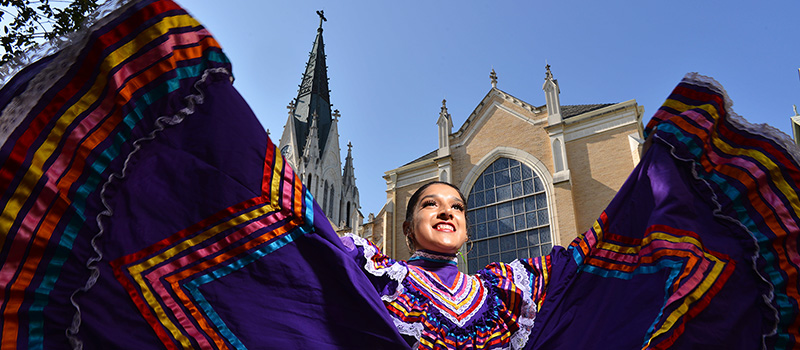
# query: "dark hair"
[[412, 202]]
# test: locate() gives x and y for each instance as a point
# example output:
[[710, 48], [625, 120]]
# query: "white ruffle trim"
[[396, 271], [411, 329], [528, 311]]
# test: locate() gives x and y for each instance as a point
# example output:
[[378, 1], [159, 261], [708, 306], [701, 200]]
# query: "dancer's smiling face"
[[438, 221]]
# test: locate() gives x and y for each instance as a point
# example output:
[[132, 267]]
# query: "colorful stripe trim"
[[73, 140], [164, 279], [754, 173], [696, 274]]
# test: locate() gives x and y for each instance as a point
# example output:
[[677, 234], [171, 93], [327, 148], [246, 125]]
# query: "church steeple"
[[310, 143], [313, 95]]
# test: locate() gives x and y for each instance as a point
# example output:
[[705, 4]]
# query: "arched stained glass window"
[[508, 215]]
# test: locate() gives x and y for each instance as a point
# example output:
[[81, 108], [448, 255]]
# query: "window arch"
[[508, 215], [330, 201]]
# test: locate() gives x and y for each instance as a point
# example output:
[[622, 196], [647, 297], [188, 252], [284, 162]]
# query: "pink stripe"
[[699, 118], [591, 239], [154, 277], [288, 187]]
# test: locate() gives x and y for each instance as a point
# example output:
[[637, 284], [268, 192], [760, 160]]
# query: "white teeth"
[[444, 226]]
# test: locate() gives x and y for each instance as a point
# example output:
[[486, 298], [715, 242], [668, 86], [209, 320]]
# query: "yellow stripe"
[[545, 281], [425, 342], [35, 171], [275, 197], [159, 312], [682, 107]]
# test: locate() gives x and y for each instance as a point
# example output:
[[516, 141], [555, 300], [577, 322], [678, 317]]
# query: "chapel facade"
[[310, 143], [534, 176]]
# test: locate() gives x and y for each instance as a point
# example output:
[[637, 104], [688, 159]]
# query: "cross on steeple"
[[290, 107], [322, 18]]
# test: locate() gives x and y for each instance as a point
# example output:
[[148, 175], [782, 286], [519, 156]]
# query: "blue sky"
[[392, 63]]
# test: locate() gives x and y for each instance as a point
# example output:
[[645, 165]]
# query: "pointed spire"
[[313, 95], [349, 172], [493, 77], [551, 92], [445, 123]]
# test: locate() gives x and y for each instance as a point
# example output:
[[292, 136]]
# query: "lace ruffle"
[[396, 271], [410, 329], [528, 307]]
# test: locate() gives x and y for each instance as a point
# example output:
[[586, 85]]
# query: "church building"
[[534, 176], [310, 143]]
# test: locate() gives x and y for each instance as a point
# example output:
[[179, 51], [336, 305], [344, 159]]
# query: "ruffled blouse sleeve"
[[520, 287], [385, 274]]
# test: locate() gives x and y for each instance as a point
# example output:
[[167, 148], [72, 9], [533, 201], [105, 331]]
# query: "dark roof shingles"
[[568, 111]]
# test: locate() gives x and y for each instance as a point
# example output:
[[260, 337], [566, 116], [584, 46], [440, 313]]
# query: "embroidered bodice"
[[443, 308]]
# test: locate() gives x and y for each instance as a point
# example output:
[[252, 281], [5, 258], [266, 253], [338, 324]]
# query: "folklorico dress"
[[435, 306], [107, 243]]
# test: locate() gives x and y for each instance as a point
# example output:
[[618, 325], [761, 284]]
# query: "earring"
[[471, 244]]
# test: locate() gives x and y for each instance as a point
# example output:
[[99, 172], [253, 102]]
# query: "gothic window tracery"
[[508, 215]]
